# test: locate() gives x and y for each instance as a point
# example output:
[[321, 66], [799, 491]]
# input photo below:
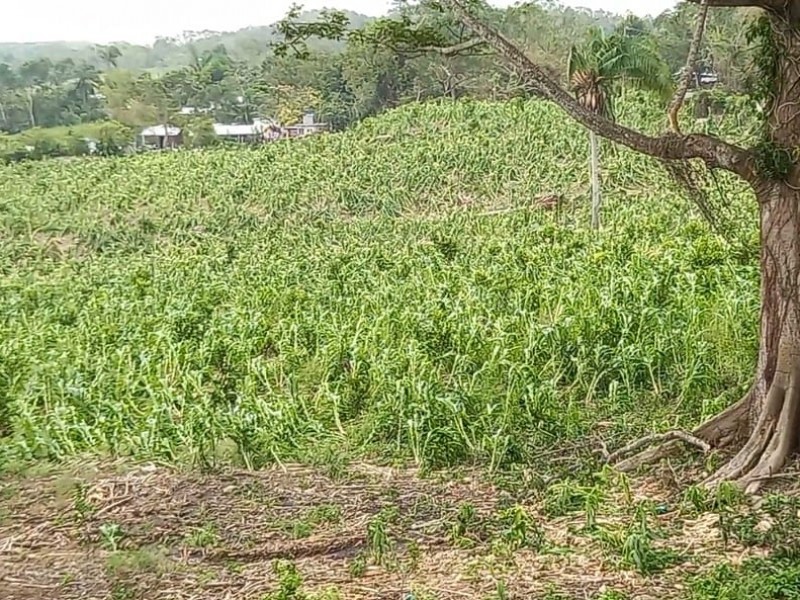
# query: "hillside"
[[248, 44], [326, 212], [422, 362]]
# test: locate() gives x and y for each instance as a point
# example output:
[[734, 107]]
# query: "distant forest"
[[235, 77], [167, 53]]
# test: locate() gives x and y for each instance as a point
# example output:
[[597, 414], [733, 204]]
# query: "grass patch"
[[314, 518], [202, 537], [124, 563], [755, 579]]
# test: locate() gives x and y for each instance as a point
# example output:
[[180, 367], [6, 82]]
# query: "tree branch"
[[456, 48], [768, 4], [688, 70], [658, 438], [713, 151]]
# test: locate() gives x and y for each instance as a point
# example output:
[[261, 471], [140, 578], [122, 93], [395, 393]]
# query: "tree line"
[[219, 77]]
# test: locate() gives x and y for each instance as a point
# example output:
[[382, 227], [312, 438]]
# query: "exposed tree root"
[[662, 439], [781, 444], [763, 455], [719, 432], [756, 443], [725, 428]]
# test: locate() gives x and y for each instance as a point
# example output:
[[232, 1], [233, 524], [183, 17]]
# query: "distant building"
[[267, 130], [307, 127], [708, 78], [701, 78], [160, 136], [258, 131]]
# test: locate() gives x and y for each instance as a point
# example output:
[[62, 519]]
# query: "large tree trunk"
[[767, 420], [772, 407]]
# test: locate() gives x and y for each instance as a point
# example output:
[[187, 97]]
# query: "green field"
[[391, 295]]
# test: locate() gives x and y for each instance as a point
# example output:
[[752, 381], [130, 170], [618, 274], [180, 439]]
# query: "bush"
[[113, 138], [41, 143], [198, 132], [11, 149], [110, 139]]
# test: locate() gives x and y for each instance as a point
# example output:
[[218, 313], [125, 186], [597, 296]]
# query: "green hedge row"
[[105, 138]]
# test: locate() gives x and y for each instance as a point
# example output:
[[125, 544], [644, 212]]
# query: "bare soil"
[[151, 532]]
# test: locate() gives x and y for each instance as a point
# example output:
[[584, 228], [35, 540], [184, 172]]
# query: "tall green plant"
[[597, 69]]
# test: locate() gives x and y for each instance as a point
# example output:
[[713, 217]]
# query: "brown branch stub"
[[676, 103], [714, 151]]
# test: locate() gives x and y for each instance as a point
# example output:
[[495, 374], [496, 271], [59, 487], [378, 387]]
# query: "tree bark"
[[773, 404], [690, 68], [767, 419], [594, 165]]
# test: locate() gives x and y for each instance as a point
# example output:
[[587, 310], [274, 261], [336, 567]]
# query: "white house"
[[160, 136], [258, 131], [307, 127]]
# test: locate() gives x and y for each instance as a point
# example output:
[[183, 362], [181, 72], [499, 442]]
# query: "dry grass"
[[154, 533]]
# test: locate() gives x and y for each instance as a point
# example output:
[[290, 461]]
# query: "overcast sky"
[[141, 21]]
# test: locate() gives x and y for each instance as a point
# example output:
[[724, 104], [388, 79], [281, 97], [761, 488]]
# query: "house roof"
[[158, 131], [307, 126], [225, 129]]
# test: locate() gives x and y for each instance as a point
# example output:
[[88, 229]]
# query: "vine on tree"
[[772, 161]]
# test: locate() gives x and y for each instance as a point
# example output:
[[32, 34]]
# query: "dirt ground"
[[150, 532]]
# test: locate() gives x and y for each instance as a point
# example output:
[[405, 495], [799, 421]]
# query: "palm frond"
[[605, 59], [644, 69], [576, 61]]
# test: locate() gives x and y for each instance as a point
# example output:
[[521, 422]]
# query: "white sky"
[[140, 21]]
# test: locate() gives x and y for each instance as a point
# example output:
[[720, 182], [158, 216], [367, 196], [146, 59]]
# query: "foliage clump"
[[352, 291]]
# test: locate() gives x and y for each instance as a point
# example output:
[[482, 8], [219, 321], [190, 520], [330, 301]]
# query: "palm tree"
[[108, 55], [86, 82], [598, 68]]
